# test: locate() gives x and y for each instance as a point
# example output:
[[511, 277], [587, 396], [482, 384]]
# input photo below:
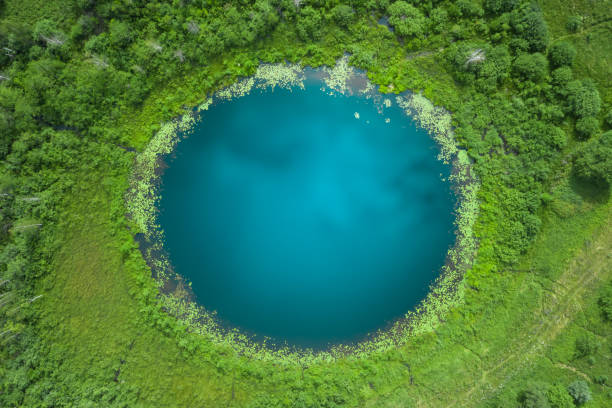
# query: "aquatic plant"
[[444, 294], [141, 196], [337, 77]]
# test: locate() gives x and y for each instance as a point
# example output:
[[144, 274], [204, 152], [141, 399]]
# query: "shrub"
[[528, 22], [601, 379], [583, 98], [343, 15], [499, 6], [562, 54], [561, 77], [309, 24], [407, 20], [608, 118], [532, 67], [580, 392], [558, 397], [574, 23], [605, 302], [438, 18], [469, 8], [556, 137], [587, 127], [586, 346], [594, 163], [533, 398], [120, 34]]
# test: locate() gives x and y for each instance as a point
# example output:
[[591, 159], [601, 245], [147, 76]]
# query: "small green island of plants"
[[515, 94]]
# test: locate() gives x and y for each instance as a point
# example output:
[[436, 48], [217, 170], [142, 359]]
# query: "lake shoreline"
[[177, 296]]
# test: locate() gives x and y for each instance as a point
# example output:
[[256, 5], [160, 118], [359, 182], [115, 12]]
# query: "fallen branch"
[[476, 56], [27, 226]]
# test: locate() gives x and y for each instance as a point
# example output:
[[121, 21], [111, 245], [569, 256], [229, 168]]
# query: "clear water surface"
[[295, 220]]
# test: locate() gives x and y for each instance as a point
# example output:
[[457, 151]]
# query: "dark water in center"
[[297, 221]]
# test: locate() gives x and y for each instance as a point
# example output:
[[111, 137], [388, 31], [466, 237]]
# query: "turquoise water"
[[297, 221]]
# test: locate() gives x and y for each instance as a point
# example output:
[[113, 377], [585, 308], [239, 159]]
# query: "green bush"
[[586, 345], [533, 398], [407, 20], [574, 24], [499, 6], [562, 54], [529, 25], [438, 18], [309, 24], [605, 302], [532, 67], [558, 397], [583, 98], [580, 392], [587, 127], [120, 34], [560, 77], [343, 15], [601, 379], [608, 119]]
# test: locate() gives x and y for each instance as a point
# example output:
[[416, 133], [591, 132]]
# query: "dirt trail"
[[558, 308], [575, 370], [559, 305], [584, 31]]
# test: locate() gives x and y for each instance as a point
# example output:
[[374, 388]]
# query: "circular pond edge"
[[175, 295]]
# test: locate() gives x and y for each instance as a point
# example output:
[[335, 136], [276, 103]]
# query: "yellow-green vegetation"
[[446, 293], [86, 88]]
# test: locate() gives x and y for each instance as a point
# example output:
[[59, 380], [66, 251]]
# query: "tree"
[[574, 24], [528, 23], [555, 137], [438, 17], [407, 20], [494, 69], [580, 392], [46, 32], [562, 54], [309, 24], [120, 34], [469, 8], [560, 78], [594, 162], [533, 398], [558, 397], [587, 127], [586, 345], [343, 15], [499, 6], [264, 18], [15, 40], [608, 118], [583, 98], [605, 302], [532, 67], [83, 28]]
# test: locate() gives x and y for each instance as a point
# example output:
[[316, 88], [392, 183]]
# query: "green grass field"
[[104, 339]]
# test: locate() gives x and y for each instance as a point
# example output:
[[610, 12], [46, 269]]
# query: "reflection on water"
[[296, 218]]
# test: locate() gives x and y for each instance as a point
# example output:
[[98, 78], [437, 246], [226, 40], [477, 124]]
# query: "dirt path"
[[558, 308], [575, 370], [559, 305], [582, 32]]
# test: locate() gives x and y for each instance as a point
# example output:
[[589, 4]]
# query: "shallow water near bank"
[[304, 217]]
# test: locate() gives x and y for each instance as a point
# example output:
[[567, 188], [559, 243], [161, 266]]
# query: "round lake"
[[304, 217]]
